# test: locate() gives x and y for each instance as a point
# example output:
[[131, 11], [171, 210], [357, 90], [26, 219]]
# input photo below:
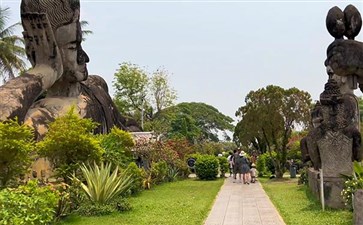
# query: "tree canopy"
[[268, 118], [195, 121], [140, 94]]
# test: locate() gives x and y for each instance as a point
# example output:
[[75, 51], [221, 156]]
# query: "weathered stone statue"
[[335, 143], [58, 79]]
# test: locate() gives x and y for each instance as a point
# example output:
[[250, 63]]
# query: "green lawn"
[[297, 206], [183, 202]]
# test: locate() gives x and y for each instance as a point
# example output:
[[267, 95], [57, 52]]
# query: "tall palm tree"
[[12, 52]]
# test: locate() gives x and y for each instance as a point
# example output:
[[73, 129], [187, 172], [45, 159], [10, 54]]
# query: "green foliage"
[[12, 52], [28, 204], [121, 204], [194, 121], [206, 167], [90, 208], [130, 83], [223, 165], [168, 204], [102, 184], [294, 151], [136, 176], [69, 142], [163, 95], [268, 118], [172, 174], [117, 145], [159, 172], [303, 178], [209, 148], [265, 164], [182, 168], [353, 183], [297, 205], [16, 146]]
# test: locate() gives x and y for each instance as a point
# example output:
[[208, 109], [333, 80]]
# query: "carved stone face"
[[69, 38]]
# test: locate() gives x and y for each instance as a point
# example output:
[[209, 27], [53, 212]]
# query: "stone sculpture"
[[59, 77], [335, 141]]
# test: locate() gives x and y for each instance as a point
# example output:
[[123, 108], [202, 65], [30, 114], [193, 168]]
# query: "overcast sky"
[[215, 51]]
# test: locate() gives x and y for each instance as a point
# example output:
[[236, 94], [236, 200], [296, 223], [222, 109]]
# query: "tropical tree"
[[268, 118], [12, 52], [195, 121], [131, 84], [140, 96], [162, 94]]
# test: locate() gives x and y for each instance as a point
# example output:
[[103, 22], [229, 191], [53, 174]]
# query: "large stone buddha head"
[[63, 16]]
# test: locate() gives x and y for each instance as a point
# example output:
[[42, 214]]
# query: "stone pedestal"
[[332, 189], [314, 182], [358, 207]]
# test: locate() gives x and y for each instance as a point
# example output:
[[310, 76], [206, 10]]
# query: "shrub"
[[102, 184], [261, 165], [264, 164], [121, 204], [303, 179], [183, 169], [68, 143], [181, 146], [352, 184], [89, 208], [172, 174], [136, 175], [159, 172], [117, 145], [28, 204], [223, 165], [206, 167], [16, 146]]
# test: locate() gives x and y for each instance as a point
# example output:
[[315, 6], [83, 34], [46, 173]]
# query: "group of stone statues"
[[334, 141], [58, 78]]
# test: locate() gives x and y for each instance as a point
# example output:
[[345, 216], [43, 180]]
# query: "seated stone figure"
[[53, 38]]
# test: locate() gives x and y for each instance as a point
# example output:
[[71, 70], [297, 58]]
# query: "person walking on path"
[[230, 162], [245, 167], [235, 155], [238, 167], [253, 173]]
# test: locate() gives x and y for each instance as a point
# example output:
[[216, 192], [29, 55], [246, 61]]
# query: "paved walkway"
[[242, 204]]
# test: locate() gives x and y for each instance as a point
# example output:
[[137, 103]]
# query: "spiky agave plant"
[[102, 184]]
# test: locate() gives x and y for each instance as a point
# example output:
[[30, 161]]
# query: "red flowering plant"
[[181, 146]]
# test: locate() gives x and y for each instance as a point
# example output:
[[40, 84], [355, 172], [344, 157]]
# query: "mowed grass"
[[297, 206], [182, 202]]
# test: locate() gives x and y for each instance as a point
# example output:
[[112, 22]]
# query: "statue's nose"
[[82, 57]]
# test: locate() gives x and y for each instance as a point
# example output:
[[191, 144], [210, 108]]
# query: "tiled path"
[[242, 204]]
